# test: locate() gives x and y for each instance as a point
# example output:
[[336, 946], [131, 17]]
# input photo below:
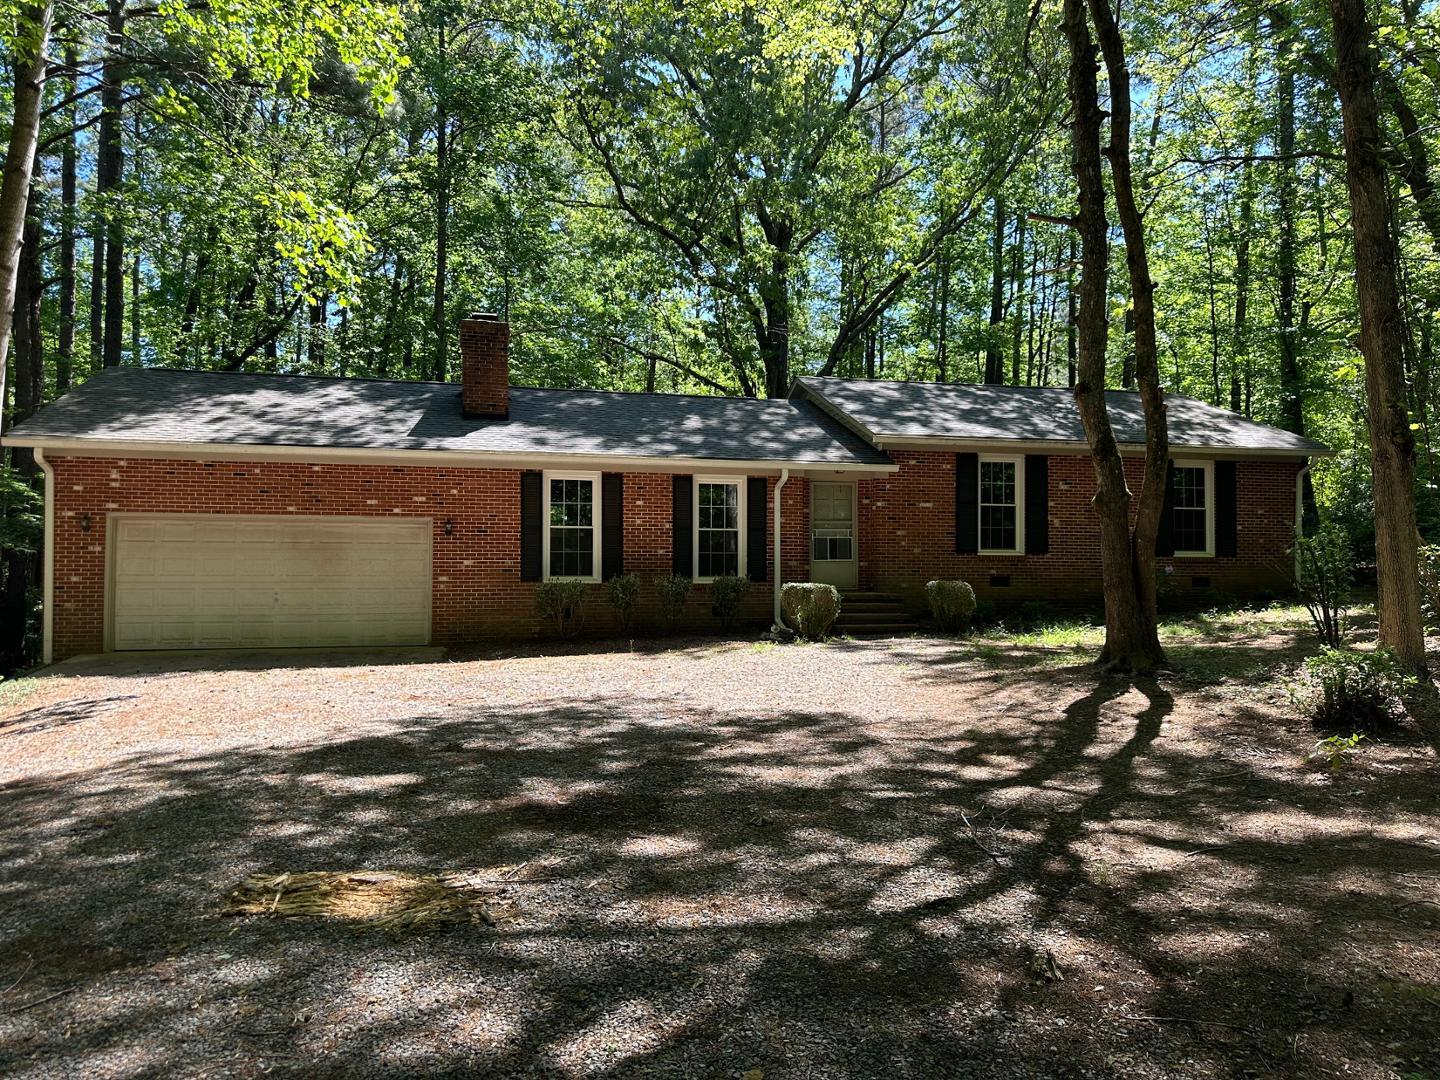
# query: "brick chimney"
[[485, 366]]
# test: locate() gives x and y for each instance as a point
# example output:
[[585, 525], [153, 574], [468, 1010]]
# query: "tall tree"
[[1382, 337], [30, 45]]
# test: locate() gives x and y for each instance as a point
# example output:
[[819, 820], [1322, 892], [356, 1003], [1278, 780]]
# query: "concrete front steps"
[[863, 614]]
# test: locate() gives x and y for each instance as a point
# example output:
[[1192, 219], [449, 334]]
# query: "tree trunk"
[[942, 344], [774, 335], [1240, 359], [1292, 406], [994, 358], [65, 340], [1382, 332], [110, 171], [319, 318], [1071, 320], [1017, 277], [1144, 650], [439, 316], [29, 69]]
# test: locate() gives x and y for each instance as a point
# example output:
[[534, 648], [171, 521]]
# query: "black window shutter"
[[1227, 540], [1037, 504], [967, 504], [681, 518], [612, 525], [755, 491], [1165, 538], [532, 537]]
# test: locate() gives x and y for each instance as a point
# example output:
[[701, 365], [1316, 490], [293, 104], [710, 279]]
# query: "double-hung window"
[[1002, 505], [572, 526], [719, 524], [1192, 508]]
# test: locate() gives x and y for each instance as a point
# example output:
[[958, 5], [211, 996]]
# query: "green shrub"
[[673, 591], [1324, 571], [561, 603], [810, 608], [727, 593], [1430, 582], [1343, 690], [623, 592], [952, 604], [1336, 750]]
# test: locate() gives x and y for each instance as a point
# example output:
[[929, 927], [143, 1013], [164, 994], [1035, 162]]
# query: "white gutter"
[[156, 448], [779, 577], [1059, 446], [47, 571]]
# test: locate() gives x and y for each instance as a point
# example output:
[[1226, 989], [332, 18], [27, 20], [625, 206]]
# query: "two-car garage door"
[[231, 581]]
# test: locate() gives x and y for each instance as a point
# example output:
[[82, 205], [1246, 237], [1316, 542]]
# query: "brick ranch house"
[[193, 510]]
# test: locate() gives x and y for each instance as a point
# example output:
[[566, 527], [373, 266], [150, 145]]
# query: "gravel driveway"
[[858, 859]]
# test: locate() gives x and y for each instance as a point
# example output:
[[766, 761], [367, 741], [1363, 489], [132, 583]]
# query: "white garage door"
[[230, 581]]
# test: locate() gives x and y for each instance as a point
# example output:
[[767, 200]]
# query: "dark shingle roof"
[[153, 405], [994, 413]]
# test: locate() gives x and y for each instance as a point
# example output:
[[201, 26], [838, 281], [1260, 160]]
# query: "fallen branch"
[[41, 1001], [975, 839], [1190, 1020]]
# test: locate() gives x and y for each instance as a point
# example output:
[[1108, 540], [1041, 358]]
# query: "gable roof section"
[[967, 412], [166, 409]]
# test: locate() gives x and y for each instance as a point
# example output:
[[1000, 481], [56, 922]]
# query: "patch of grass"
[[764, 646], [14, 691]]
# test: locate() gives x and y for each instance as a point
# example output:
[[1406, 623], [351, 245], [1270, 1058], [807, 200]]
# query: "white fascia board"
[[122, 448], [1059, 446]]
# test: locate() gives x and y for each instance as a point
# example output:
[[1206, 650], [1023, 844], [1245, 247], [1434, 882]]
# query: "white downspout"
[[779, 577], [47, 604], [1300, 508]]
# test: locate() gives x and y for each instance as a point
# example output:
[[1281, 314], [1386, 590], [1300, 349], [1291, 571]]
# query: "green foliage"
[[727, 594], [1430, 582], [952, 604], [810, 608], [673, 591], [562, 604], [1344, 690], [1335, 750], [623, 592], [22, 527], [1324, 570]]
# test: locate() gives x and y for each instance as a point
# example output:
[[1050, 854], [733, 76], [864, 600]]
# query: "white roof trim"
[[1059, 446], [61, 447]]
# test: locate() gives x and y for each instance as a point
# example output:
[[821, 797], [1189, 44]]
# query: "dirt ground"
[[908, 858]]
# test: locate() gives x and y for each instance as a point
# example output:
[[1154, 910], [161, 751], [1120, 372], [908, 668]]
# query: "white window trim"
[[740, 501], [1018, 460], [1208, 469], [595, 512]]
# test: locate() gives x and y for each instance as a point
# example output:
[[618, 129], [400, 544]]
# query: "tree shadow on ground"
[[708, 891]]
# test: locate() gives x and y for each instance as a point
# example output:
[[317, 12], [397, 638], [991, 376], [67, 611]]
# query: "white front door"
[[834, 558], [226, 581]]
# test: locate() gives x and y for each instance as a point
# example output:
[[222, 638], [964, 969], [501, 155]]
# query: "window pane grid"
[[999, 514], [718, 521], [1188, 509], [572, 528]]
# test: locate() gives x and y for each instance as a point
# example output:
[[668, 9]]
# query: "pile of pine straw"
[[388, 900]]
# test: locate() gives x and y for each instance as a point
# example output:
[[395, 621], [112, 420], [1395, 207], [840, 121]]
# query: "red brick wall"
[[907, 534], [477, 591]]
